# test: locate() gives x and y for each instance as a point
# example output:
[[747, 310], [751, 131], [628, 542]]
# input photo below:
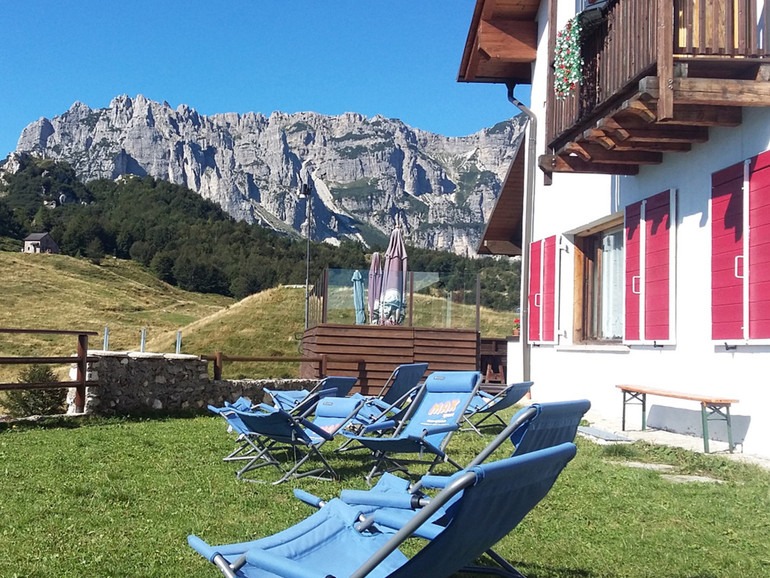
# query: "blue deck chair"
[[533, 428], [427, 427], [269, 429], [297, 400], [243, 449], [489, 404], [389, 404], [396, 391], [488, 501]]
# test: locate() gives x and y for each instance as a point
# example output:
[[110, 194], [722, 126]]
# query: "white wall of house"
[[694, 363]]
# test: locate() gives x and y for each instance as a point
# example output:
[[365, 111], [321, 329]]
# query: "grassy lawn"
[[117, 497]]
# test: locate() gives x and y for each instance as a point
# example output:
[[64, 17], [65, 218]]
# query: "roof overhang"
[[503, 234], [502, 42]]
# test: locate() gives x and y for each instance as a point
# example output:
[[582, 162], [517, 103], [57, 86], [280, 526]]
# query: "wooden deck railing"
[[643, 37], [81, 360]]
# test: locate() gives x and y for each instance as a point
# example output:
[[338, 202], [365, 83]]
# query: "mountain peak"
[[369, 173]]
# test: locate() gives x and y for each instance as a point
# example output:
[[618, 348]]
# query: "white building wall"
[[694, 363]]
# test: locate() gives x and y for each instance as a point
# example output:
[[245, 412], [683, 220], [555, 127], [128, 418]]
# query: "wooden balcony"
[[657, 75]]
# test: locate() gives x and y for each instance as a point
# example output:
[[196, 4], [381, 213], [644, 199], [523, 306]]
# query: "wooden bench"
[[709, 406]]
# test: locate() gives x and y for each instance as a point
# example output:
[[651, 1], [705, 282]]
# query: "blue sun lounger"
[[487, 502], [533, 428], [268, 430], [427, 427], [396, 391], [489, 404], [296, 401]]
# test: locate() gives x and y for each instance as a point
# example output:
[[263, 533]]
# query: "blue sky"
[[398, 58]]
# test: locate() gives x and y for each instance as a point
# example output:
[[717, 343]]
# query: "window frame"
[[588, 248]]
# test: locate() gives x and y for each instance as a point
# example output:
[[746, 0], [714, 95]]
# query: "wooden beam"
[[712, 91], [665, 56], [611, 142], [692, 115], [570, 164], [624, 130], [591, 152], [662, 147], [508, 40], [473, 61]]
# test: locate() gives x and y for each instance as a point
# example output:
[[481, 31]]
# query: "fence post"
[[106, 346], [144, 339], [362, 376], [218, 361], [322, 367], [82, 372], [178, 342]]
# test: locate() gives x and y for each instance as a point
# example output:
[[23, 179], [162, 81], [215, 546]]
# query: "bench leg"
[[628, 397], [722, 411], [705, 420]]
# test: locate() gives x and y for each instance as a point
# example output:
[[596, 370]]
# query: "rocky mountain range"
[[367, 174]]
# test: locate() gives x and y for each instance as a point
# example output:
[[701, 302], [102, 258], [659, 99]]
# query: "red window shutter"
[[727, 267], [657, 262], [542, 291], [759, 247], [535, 284], [548, 290], [633, 219]]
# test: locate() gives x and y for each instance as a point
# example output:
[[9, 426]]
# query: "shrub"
[[24, 402]]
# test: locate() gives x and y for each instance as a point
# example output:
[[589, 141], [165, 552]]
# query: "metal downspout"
[[529, 213]]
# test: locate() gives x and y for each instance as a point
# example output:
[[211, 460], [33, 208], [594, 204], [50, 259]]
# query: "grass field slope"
[[60, 292]]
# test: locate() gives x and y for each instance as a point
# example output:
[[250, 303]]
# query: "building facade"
[[649, 223]]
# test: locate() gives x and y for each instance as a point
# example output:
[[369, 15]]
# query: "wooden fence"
[[81, 360], [384, 348]]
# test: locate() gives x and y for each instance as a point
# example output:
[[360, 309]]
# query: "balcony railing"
[[639, 38]]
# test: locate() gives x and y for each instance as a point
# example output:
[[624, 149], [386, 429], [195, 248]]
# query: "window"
[[599, 284], [649, 272], [740, 251]]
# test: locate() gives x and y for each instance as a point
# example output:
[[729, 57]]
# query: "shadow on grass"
[[538, 570]]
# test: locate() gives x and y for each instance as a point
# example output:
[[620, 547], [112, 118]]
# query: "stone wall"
[[144, 382]]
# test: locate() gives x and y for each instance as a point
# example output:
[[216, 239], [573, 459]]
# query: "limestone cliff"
[[368, 173]]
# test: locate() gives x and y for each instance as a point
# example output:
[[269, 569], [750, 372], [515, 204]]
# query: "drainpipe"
[[529, 208]]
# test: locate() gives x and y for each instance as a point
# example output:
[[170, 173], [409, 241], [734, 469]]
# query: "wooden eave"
[[502, 42], [503, 233], [634, 129]]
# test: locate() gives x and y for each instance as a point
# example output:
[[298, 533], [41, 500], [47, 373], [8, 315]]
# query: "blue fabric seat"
[[488, 404], [267, 430], [297, 401], [487, 502], [392, 398], [533, 428], [427, 426]]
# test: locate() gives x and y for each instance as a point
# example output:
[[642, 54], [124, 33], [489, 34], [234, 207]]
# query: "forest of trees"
[[192, 243]]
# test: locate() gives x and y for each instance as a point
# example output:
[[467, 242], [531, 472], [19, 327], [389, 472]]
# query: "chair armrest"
[[202, 547], [396, 520], [439, 429], [387, 424], [434, 481], [308, 498], [314, 428], [279, 565], [403, 501]]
